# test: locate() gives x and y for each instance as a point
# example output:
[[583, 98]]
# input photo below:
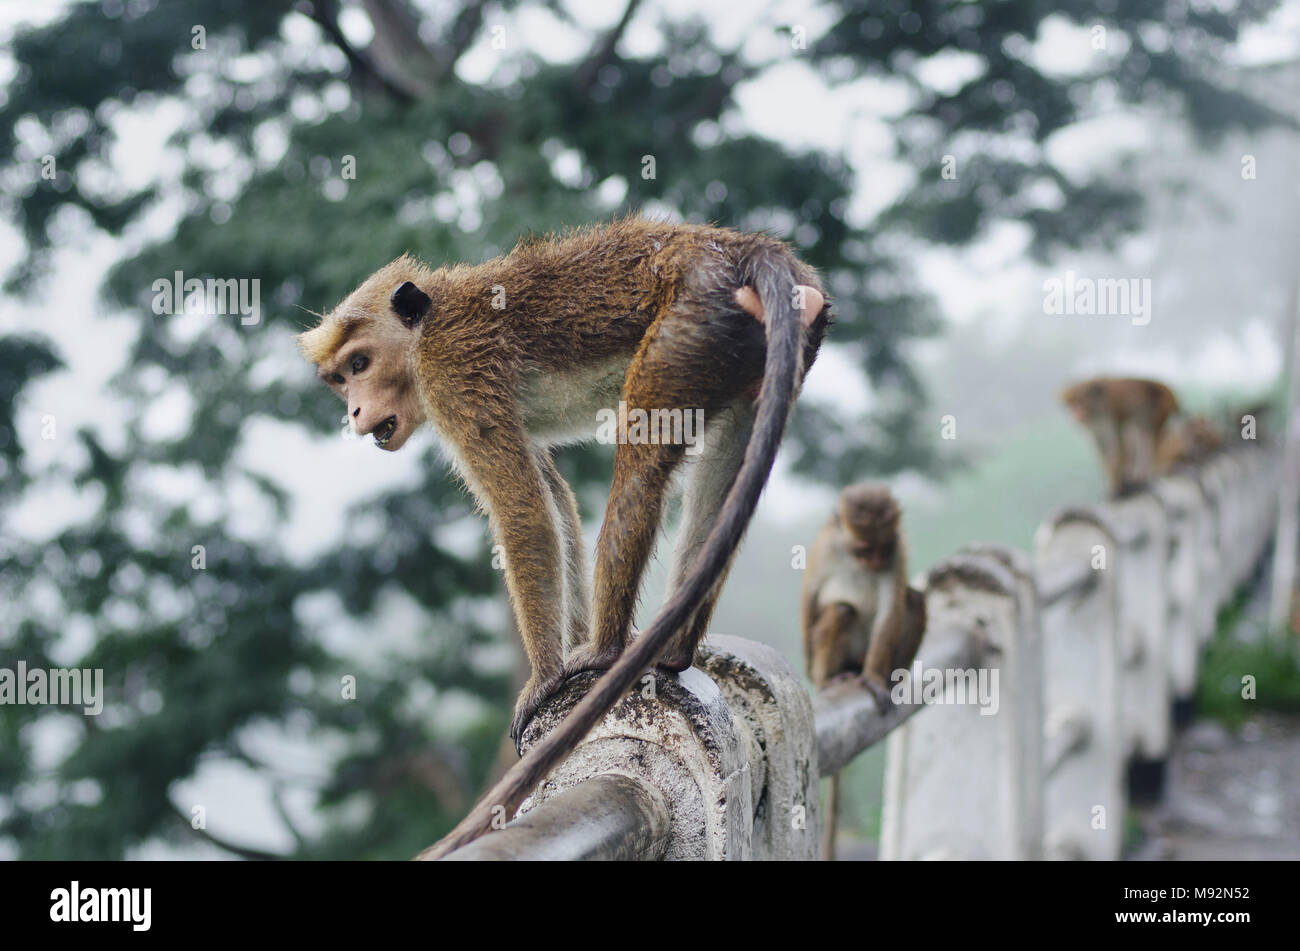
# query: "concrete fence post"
[[675, 734], [1140, 566], [775, 715], [953, 774], [1184, 506], [1084, 791], [1030, 720], [1222, 472], [1209, 567], [729, 750]]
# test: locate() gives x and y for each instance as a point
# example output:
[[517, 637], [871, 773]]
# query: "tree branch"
[[325, 13], [397, 50], [463, 29], [602, 53]]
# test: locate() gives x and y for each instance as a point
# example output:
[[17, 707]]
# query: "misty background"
[[1151, 140]]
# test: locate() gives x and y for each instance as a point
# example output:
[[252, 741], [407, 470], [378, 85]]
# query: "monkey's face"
[[372, 374], [363, 351], [875, 554], [870, 516]]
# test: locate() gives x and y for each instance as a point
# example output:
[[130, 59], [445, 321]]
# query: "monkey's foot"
[[589, 657], [676, 658], [878, 691], [531, 697]]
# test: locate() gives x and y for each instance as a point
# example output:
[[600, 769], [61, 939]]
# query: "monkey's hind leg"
[[642, 471], [693, 360], [627, 537], [710, 479]]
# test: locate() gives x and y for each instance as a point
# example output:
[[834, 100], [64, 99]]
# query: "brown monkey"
[[1126, 418], [859, 618], [1188, 441], [521, 353], [853, 599]]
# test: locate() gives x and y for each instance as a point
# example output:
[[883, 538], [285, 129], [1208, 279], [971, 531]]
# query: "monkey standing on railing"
[[858, 615], [521, 353], [1126, 418]]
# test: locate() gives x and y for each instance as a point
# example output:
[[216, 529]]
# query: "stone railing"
[[1046, 677]]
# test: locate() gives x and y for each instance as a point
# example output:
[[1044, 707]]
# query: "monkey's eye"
[[360, 362], [337, 379]]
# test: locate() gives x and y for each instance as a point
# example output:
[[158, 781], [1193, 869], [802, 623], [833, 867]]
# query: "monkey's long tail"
[[770, 273]]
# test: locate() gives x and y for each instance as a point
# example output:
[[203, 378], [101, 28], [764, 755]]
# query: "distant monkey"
[[511, 357], [859, 618], [1126, 418]]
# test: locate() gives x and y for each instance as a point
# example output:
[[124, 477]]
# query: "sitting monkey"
[[860, 619]]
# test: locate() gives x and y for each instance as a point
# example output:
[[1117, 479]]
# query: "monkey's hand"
[[878, 690], [811, 297]]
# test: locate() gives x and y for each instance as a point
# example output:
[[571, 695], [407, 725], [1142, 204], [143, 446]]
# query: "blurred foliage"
[[201, 664], [1274, 663]]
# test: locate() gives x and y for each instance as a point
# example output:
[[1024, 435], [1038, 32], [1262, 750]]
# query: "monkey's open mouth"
[[384, 431]]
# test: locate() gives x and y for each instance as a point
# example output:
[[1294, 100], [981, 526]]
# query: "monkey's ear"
[[410, 303]]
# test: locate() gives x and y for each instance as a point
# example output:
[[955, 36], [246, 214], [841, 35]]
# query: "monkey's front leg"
[[831, 637], [502, 469], [887, 632]]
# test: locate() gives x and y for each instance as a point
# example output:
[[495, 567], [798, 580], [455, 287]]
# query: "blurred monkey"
[[859, 618], [1126, 418]]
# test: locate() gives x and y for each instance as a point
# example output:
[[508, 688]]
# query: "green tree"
[[305, 154]]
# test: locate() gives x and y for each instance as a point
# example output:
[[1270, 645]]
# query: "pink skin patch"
[[812, 306], [812, 303]]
